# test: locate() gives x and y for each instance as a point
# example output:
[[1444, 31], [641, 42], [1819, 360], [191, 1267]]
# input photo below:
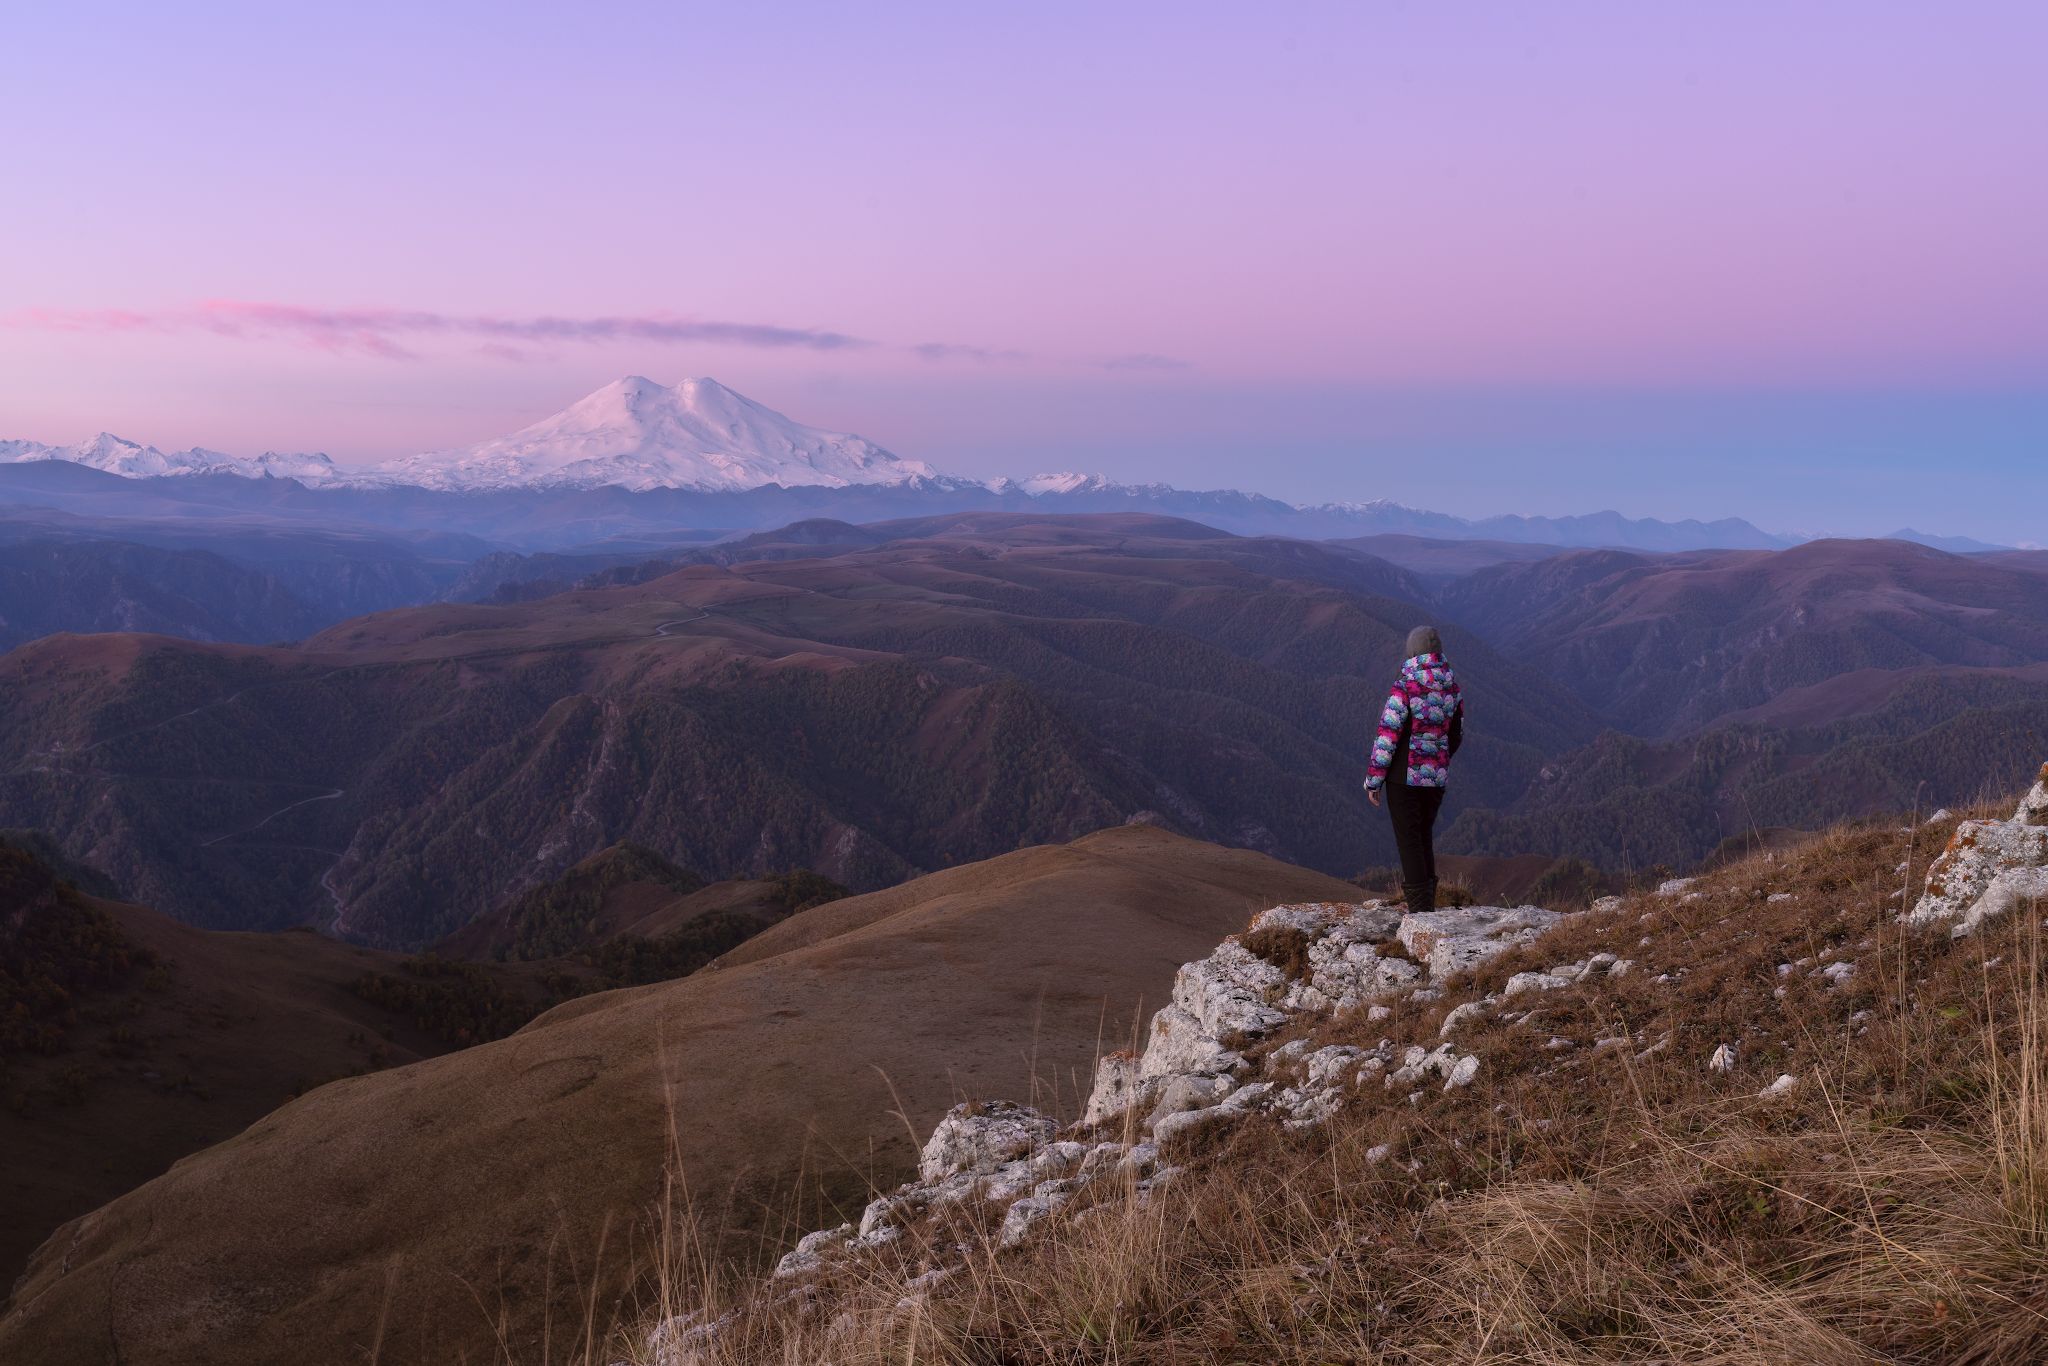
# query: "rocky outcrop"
[[1989, 867], [1208, 1063], [1241, 1040]]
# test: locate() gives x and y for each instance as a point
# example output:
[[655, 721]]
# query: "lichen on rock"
[[1989, 867]]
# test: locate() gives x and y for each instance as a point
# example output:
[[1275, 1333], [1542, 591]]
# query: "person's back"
[[1422, 724]]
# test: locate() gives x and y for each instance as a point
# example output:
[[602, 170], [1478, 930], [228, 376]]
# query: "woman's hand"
[[1372, 794]]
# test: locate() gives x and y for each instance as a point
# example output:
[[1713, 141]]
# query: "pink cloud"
[[377, 331]]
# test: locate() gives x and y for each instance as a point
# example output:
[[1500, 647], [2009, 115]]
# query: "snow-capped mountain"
[[636, 434], [116, 455]]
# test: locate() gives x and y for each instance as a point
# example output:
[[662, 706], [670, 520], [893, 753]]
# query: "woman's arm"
[[1393, 717]]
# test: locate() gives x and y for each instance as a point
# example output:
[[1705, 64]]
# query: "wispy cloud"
[[386, 332], [986, 355], [1143, 360], [400, 334]]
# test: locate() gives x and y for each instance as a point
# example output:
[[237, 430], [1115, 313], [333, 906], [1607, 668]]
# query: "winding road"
[[250, 830]]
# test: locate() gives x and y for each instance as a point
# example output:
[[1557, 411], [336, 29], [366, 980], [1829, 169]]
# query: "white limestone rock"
[[1308, 918], [1453, 941], [1179, 1046], [978, 1138], [1180, 1094], [1327, 1067], [811, 1251], [1019, 1218], [1785, 1082], [1444, 1061], [2007, 891], [1141, 1159], [1459, 1014], [1462, 1072], [1293, 1051], [1232, 994], [1988, 868], [1675, 886], [1723, 1059], [1118, 1087], [1346, 969], [1188, 1122], [1534, 981]]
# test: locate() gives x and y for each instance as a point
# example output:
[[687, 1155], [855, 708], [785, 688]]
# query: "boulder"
[[1231, 992], [1534, 981], [1988, 868], [1118, 1086], [1180, 1094], [979, 1138], [1456, 940], [1017, 1221], [810, 1252], [1458, 1015], [1346, 969]]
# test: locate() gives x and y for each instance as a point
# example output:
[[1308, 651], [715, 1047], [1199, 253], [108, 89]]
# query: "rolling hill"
[[425, 1210], [157, 1040], [128, 1041]]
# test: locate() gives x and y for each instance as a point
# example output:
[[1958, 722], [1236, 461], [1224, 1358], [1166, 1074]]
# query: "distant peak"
[[632, 384]]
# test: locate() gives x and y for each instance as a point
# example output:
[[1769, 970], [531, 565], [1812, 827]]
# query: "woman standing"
[[1421, 727]]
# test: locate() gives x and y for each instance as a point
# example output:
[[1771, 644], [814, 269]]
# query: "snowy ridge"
[[116, 455]]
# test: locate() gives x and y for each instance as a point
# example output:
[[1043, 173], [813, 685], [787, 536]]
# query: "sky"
[[1783, 260]]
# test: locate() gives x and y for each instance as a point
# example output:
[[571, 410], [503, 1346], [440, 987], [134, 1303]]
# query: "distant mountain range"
[[637, 457]]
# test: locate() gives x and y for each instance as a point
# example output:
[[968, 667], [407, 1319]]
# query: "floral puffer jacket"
[[1422, 724]]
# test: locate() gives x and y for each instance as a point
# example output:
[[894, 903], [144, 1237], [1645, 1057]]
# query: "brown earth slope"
[[211, 1031], [435, 1198]]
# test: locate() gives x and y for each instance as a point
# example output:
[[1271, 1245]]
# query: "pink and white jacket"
[[1421, 726]]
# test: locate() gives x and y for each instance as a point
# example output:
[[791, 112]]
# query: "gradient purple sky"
[[1781, 260]]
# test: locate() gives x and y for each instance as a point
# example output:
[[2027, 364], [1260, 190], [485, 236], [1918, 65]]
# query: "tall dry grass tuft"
[[2016, 1084]]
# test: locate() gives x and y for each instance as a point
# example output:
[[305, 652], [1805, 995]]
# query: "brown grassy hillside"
[[1600, 1193], [424, 1211], [190, 1036]]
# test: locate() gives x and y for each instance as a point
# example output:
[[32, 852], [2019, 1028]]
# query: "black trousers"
[[1413, 810]]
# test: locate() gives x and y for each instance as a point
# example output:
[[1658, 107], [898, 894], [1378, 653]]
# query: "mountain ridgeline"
[[952, 693], [626, 466], [877, 701]]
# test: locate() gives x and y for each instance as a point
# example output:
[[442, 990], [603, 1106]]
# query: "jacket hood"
[[1429, 671]]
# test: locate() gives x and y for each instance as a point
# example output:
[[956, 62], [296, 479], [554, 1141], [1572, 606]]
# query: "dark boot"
[[1421, 896]]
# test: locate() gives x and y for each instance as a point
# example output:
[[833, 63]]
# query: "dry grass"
[[1578, 1204]]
